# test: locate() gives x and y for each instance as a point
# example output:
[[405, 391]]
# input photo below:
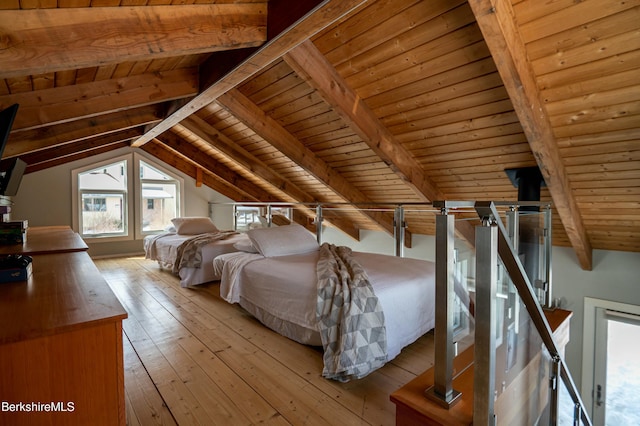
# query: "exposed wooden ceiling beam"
[[168, 156], [216, 168], [37, 41], [496, 20], [45, 156], [249, 162], [239, 155], [79, 155], [271, 131], [32, 140], [324, 15], [311, 65], [281, 15], [61, 104]]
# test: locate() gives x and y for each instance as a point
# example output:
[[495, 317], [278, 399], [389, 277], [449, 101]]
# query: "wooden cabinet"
[[61, 359]]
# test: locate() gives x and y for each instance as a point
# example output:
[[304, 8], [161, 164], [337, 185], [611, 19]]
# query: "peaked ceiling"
[[345, 101]]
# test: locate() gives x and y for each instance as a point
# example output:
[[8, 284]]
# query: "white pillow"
[[283, 240], [193, 225], [245, 246]]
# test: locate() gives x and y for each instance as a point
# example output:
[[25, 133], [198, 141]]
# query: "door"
[[616, 387]]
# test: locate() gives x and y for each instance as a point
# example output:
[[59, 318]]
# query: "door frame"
[[589, 342]]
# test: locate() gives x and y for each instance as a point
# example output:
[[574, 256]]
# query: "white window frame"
[[77, 200], [137, 157], [591, 306], [133, 214]]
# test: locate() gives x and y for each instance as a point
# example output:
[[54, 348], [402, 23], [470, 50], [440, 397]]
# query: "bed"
[[189, 247], [277, 281]]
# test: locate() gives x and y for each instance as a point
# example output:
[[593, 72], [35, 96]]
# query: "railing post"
[[548, 302], [485, 333], [513, 226], [398, 230], [235, 217], [577, 414], [555, 391], [319, 220], [442, 391], [268, 215]]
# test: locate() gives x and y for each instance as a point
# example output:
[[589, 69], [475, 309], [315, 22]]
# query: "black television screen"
[[11, 170], [7, 116], [11, 175]]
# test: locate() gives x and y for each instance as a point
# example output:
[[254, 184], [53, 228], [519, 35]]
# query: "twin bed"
[[189, 247], [362, 308]]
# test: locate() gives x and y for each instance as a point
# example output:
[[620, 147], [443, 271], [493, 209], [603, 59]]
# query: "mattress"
[[163, 248], [281, 293]]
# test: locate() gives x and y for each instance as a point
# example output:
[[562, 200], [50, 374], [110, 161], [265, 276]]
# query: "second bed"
[[281, 289]]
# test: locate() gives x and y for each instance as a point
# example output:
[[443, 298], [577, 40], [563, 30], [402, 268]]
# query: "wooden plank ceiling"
[[345, 101]]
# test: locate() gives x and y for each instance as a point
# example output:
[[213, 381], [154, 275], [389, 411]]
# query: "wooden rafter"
[[310, 65], [39, 160], [37, 41], [496, 20], [271, 131], [324, 15], [168, 156], [32, 140], [212, 166], [239, 155], [61, 104], [249, 162], [59, 160]]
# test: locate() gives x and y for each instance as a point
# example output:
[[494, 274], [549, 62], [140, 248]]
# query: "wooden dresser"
[[61, 359]]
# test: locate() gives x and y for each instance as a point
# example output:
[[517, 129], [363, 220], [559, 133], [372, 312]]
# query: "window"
[[159, 198], [118, 196], [103, 192]]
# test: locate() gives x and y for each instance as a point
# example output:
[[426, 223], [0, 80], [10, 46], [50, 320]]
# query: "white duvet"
[[281, 292], [164, 248]]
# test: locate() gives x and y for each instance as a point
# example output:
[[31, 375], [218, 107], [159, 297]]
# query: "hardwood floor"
[[192, 358]]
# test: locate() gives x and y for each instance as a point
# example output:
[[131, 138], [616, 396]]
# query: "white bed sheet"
[[163, 248], [281, 293]]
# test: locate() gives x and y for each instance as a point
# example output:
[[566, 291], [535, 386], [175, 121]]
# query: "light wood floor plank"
[[204, 361], [144, 404]]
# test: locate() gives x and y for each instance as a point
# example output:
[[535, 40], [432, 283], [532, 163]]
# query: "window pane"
[[160, 198], [103, 214], [159, 205], [151, 173], [110, 177]]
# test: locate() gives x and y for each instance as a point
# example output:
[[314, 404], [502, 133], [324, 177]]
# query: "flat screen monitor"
[[7, 116], [11, 172]]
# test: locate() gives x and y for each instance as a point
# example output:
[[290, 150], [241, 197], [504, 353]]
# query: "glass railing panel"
[[465, 283], [523, 365], [566, 406], [465, 286]]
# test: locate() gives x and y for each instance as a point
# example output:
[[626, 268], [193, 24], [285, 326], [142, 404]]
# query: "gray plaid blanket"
[[189, 253], [350, 317]]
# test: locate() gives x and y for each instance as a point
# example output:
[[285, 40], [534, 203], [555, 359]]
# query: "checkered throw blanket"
[[350, 317]]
